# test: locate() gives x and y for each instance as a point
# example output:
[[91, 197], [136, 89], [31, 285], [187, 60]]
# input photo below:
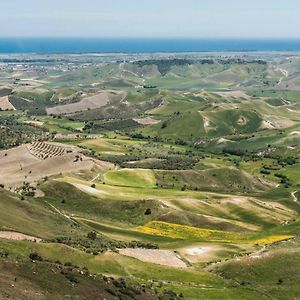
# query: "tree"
[[148, 211], [35, 256], [92, 235]]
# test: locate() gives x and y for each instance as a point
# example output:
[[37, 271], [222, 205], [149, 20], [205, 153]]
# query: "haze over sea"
[[135, 45]]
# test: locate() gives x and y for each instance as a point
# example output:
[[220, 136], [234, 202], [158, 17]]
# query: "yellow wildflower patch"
[[184, 232], [273, 239]]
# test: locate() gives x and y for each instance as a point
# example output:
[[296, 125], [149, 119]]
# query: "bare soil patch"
[[5, 104], [222, 141], [146, 121], [268, 125], [161, 257], [21, 164], [93, 102], [242, 121], [88, 189], [279, 121], [234, 94], [17, 236], [295, 133], [201, 252], [35, 123]]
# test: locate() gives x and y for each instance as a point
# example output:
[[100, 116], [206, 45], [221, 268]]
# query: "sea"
[[143, 45]]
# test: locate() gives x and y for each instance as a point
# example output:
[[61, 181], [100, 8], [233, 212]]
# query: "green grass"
[[183, 126], [132, 234], [226, 179], [31, 217], [226, 122], [61, 125], [102, 145], [109, 192], [70, 199], [273, 274], [114, 264], [131, 177]]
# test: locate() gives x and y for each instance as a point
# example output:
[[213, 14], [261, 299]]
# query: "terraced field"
[[45, 150]]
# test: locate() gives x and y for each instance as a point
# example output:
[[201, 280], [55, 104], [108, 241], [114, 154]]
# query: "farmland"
[[92, 102], [151, 178]]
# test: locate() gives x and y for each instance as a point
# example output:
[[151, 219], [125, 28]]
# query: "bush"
[[148, 211], [264, 171], [71, 277], [35, 256], [92, 235]]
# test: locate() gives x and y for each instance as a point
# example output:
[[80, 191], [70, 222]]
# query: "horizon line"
[[153, 37]]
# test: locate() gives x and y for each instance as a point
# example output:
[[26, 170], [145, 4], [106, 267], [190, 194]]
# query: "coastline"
[[68, 45]]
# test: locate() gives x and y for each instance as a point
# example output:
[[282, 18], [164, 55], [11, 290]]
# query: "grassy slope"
[[111, 263], [131, 177], [219, 179], [31, 217], [85, 205], [274, 274]]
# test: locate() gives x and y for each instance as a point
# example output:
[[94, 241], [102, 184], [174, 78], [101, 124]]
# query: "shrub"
[[35, 256], [92, 235], [148, 211]]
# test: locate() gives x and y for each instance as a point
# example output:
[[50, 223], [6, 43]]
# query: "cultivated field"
[[88, 103]]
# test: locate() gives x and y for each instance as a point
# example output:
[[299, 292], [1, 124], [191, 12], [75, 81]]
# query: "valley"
[[150, 176]]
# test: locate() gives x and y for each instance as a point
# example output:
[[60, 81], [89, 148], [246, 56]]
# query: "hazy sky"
[[150, 18]]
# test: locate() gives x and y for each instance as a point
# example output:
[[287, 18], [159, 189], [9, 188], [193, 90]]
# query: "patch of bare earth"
[[93, 102], [5, 104], [35, 123], [161, 257], [198, 253], [294, 133], [234, 94], [268, 125], [88, 189], [242, 121], [222, 141], [17, 236], [32, 162], [273, 121], [146, 121]]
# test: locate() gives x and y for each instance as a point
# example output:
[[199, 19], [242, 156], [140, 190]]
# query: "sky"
[[150, 18]]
